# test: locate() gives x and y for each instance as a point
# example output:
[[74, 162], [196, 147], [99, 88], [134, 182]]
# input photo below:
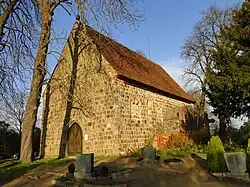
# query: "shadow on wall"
[[76, 44], [194, 129], [75, 51], [74, 48]]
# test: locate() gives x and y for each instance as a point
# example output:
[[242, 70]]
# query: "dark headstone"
[[236, 162], [71, 168], [148, 153], [16, 156], [36, 154], [84, 162]]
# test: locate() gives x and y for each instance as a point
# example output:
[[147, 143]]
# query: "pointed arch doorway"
[[74, 144]]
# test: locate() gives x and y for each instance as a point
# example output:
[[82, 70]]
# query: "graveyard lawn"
[[11, 169], [194, 175]]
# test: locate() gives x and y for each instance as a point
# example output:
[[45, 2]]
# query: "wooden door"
[[74, 140]]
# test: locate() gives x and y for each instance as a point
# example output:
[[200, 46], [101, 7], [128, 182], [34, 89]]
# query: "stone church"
[[104, 98]]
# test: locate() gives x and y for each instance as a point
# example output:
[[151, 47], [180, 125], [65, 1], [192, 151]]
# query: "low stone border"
[[82, 184]]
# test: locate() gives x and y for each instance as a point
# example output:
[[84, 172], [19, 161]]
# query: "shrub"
[[232, 147], [200, 150], [179, 140], [173, 152], [248, 156], [215, 155]]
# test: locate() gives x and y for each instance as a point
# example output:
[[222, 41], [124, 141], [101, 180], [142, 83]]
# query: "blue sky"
[[167, 24]]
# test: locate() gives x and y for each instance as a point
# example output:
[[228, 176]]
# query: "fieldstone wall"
[[115, 116], [145, 114]]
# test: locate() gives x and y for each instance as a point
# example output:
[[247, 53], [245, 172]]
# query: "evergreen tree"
[[229, 80]]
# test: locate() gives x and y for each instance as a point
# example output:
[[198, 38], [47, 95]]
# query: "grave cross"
[[204, 121]]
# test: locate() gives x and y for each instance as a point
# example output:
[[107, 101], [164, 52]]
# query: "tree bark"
[[222, 130], [45, 120], [39, 72], [203, 98], [5, 15]]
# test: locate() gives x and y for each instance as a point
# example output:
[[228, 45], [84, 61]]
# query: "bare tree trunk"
[[36, 86], [222, 129], [5, 15], [203, 98], [20, 139]]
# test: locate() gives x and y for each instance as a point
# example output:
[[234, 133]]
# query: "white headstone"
[[236, 162]]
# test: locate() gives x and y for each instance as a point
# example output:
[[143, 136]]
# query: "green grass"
[[7, 163], [105, 157], [136, 153], [173, 152], [165, 152], [200, 150], [14, 166]]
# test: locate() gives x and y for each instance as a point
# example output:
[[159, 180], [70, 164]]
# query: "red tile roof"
[[134, 66]]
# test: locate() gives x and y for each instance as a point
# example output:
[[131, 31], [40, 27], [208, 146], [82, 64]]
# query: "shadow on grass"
[[4, 160], [10, 164], [18, 169], [7, 163]]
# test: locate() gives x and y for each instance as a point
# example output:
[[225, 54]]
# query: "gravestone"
[[148, 153], [236, 162], [16, 156], [205, 121], [84, 163], [71, 168]]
